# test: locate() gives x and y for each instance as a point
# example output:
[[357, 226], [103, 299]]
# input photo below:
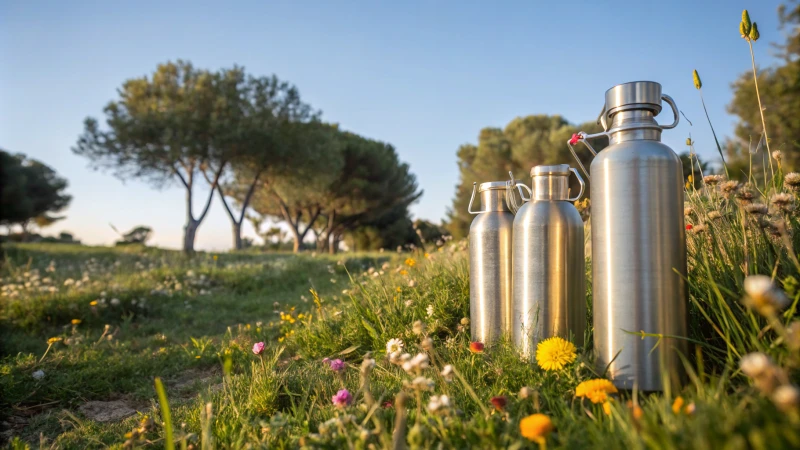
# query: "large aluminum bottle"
[[490, 263], [549, 269], [638, 242]]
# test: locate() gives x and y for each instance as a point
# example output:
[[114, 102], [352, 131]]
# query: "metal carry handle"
[[672, 104], [582, 137], [582, 183], [471, 199], [511, 201]]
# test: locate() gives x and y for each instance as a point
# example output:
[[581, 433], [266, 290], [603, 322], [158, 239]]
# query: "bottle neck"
[[550, 187], [632, 125], [494, 200]]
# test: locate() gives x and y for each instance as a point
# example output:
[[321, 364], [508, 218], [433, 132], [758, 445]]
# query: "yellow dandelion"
[[555, 353], [93, 303], [399, 289], [53, 340], [536, 427], [607, 408], [595, 390], [427, 255], [677, 405], [197, 357], [215, 257], [410, 262], [404, 272], [76, 321]]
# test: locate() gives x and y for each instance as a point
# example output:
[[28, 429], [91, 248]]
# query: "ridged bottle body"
[[549, 290], [490, 275], [638, 260]]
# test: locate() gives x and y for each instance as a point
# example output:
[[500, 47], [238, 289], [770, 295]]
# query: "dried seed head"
[[729, 188], [711, 180], [778, 155], [786, 397], [782, 201], [687, 210], [763, 295], [418, 327], [697, 83], [714, 215], [792, 181], [427, 344], [525, 392], [699, 228], [755, 365], [756, 209]]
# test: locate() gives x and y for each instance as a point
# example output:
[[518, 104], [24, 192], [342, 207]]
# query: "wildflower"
[[418, 327], [782, 201], [465, 321], [792, 181], [714, 215], [429, 310], [499, 402], [421, 383], [595, 390], [342, 398], [777, 155], [699, 228], [754, 34], [677, 405], [412, 283], [427, 344], [337, 365], [439, 404], [114, 302], [38, 375], [93, 303], [399, 289], [447, 373], [394, 346], [410, 262], [386, 405], [555, 353], [745, 26], [763, 295], [525, 392], [689, 226], [636, 410], [760, 368], [215, 257], [756, 209], [729, 188], [687, 210], [744, 196], [416, 364], [476, 347], [76, 321], [712, 180], [258, 348], [696, 78], [398, 358], [53, 340], [386, 265], [408, 303], [536, 427], [607, 408], [786, 398]]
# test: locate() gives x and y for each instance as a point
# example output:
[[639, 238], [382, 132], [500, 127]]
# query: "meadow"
[[247, 350]]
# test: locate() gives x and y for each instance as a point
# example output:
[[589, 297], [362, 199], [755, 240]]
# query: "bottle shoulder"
[[492, 219], [545, 210], [639, 150]]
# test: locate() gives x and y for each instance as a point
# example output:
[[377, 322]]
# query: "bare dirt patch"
[[110, 411]]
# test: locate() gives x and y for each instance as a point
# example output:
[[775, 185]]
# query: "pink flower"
[[258, 348], [337, 365], [342, 398]]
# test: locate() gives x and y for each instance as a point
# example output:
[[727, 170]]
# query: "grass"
[[194, 322]]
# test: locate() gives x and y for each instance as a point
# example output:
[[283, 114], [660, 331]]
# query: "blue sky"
[[425, 76]]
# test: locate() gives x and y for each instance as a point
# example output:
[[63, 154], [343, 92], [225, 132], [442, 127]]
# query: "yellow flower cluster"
[[595, 390], [411, 262]]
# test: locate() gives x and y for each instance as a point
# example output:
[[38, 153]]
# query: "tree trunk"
[[237, 235], [189, 233]]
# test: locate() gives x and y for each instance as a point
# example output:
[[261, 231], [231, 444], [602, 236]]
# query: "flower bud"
[[754, 32], [745, 26], [697, 83]]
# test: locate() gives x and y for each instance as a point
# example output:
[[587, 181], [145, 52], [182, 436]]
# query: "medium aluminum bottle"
[[638, 242], [490, 263], [549, 269]]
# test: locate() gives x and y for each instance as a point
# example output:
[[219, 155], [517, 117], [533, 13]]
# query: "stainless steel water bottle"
[[490, 263], [638, 242], [549, 269]]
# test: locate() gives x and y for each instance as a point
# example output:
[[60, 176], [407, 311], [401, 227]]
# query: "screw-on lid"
[[634, 95], [557, 169], [492, 185]]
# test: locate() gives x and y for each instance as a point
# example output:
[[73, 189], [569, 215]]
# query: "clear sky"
[[425, 76]]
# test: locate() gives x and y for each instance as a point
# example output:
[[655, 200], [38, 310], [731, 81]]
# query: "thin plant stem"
[[760, 108], [714, 133]]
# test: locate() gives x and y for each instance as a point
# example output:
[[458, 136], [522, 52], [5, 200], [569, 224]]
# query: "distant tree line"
[[263, 151]]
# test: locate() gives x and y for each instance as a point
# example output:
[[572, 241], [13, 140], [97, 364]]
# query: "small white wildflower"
[[418, 327], [525, 392], [439, 404], [115, 302], [755, 365], [429, 310], [394, 346], [386, 265], [412, 283], [786, 398], [333, 280], [38, 375], [416, 364], [448, 373], [763, 295], [421, 383], [408, 303]]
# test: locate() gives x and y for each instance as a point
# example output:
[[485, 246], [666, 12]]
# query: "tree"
[[780, 97], [138, 235], [371, 184], [29, 191], [273, 141], [170, 127], [525, 142]]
